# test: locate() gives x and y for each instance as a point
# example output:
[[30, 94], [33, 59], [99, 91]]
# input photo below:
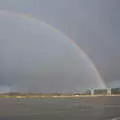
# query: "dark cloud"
[[93, 24]]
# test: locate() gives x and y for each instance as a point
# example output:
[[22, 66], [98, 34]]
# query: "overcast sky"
[[92, 24]]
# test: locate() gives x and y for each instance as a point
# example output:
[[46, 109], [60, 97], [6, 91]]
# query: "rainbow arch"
[[82, 53]]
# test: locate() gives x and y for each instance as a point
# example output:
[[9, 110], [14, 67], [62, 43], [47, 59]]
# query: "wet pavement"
[[91, 108]]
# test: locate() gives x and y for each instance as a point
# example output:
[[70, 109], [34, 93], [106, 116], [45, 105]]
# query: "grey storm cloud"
[[92, 24]]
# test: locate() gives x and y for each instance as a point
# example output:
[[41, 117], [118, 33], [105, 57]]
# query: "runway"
[[84, 108]]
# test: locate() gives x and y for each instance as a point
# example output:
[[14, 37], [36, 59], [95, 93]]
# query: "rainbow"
[[82, 53]]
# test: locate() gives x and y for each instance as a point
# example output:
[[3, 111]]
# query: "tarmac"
[[79, 108]]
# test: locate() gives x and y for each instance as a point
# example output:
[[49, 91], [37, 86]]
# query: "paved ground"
[[94, 108]]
